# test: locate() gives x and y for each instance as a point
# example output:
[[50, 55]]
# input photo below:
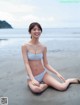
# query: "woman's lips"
[[37, 34]]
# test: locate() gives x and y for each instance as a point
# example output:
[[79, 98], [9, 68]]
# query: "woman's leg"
[[48, 79], [37, 89]]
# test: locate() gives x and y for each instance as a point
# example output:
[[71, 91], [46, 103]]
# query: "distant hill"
[[4, 24]]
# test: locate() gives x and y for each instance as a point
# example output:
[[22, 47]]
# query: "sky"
[[49, 13]]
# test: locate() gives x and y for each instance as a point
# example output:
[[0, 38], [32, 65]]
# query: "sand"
[[13, 83]]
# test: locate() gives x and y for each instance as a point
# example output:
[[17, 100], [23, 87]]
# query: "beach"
[[57, 25], [13, 77]]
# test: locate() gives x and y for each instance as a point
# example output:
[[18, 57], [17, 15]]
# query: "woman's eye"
[[36, 29]]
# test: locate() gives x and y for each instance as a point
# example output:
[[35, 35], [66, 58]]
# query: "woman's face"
[[35, 32]]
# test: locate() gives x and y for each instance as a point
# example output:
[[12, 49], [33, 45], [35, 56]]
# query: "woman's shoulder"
[[44, 47], [24, 45]]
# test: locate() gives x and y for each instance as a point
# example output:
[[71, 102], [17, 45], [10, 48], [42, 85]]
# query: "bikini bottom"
[[40, 76]]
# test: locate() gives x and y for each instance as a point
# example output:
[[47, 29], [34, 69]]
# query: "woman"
[[35, 59]]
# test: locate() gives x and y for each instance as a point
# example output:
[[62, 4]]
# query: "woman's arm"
[[50, 68], [24, 54], [29, 72]]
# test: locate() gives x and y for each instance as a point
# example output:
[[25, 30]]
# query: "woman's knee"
[[62, 87], [36, 89]]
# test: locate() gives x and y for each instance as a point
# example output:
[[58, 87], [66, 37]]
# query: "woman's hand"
[[35, 82], [61, 77]]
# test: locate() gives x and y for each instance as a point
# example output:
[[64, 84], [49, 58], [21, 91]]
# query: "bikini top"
[[32, 56]]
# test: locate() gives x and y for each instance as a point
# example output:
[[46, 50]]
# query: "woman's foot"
[[78, 79], [74, 80]]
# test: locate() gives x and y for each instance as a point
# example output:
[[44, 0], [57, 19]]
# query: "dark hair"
[[32, 25]]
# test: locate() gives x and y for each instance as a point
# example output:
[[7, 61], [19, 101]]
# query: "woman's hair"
[[32, 25]]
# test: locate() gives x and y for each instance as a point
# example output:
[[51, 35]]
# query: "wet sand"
[[13, 82]]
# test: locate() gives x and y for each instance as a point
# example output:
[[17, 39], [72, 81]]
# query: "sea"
[[56, 39]]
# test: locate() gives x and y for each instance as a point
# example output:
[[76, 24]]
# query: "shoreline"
[[3, 39]]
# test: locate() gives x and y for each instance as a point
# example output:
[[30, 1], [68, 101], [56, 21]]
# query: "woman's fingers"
[[35, 83], [62, 78]]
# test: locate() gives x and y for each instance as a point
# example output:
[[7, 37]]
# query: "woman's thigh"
[[48, 79]]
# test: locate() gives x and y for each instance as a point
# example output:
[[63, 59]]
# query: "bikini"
[[38, 56]]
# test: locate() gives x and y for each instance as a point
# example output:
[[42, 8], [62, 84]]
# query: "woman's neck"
[[34, 41]]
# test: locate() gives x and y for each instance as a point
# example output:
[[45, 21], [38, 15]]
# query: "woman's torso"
[[36, 64]]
